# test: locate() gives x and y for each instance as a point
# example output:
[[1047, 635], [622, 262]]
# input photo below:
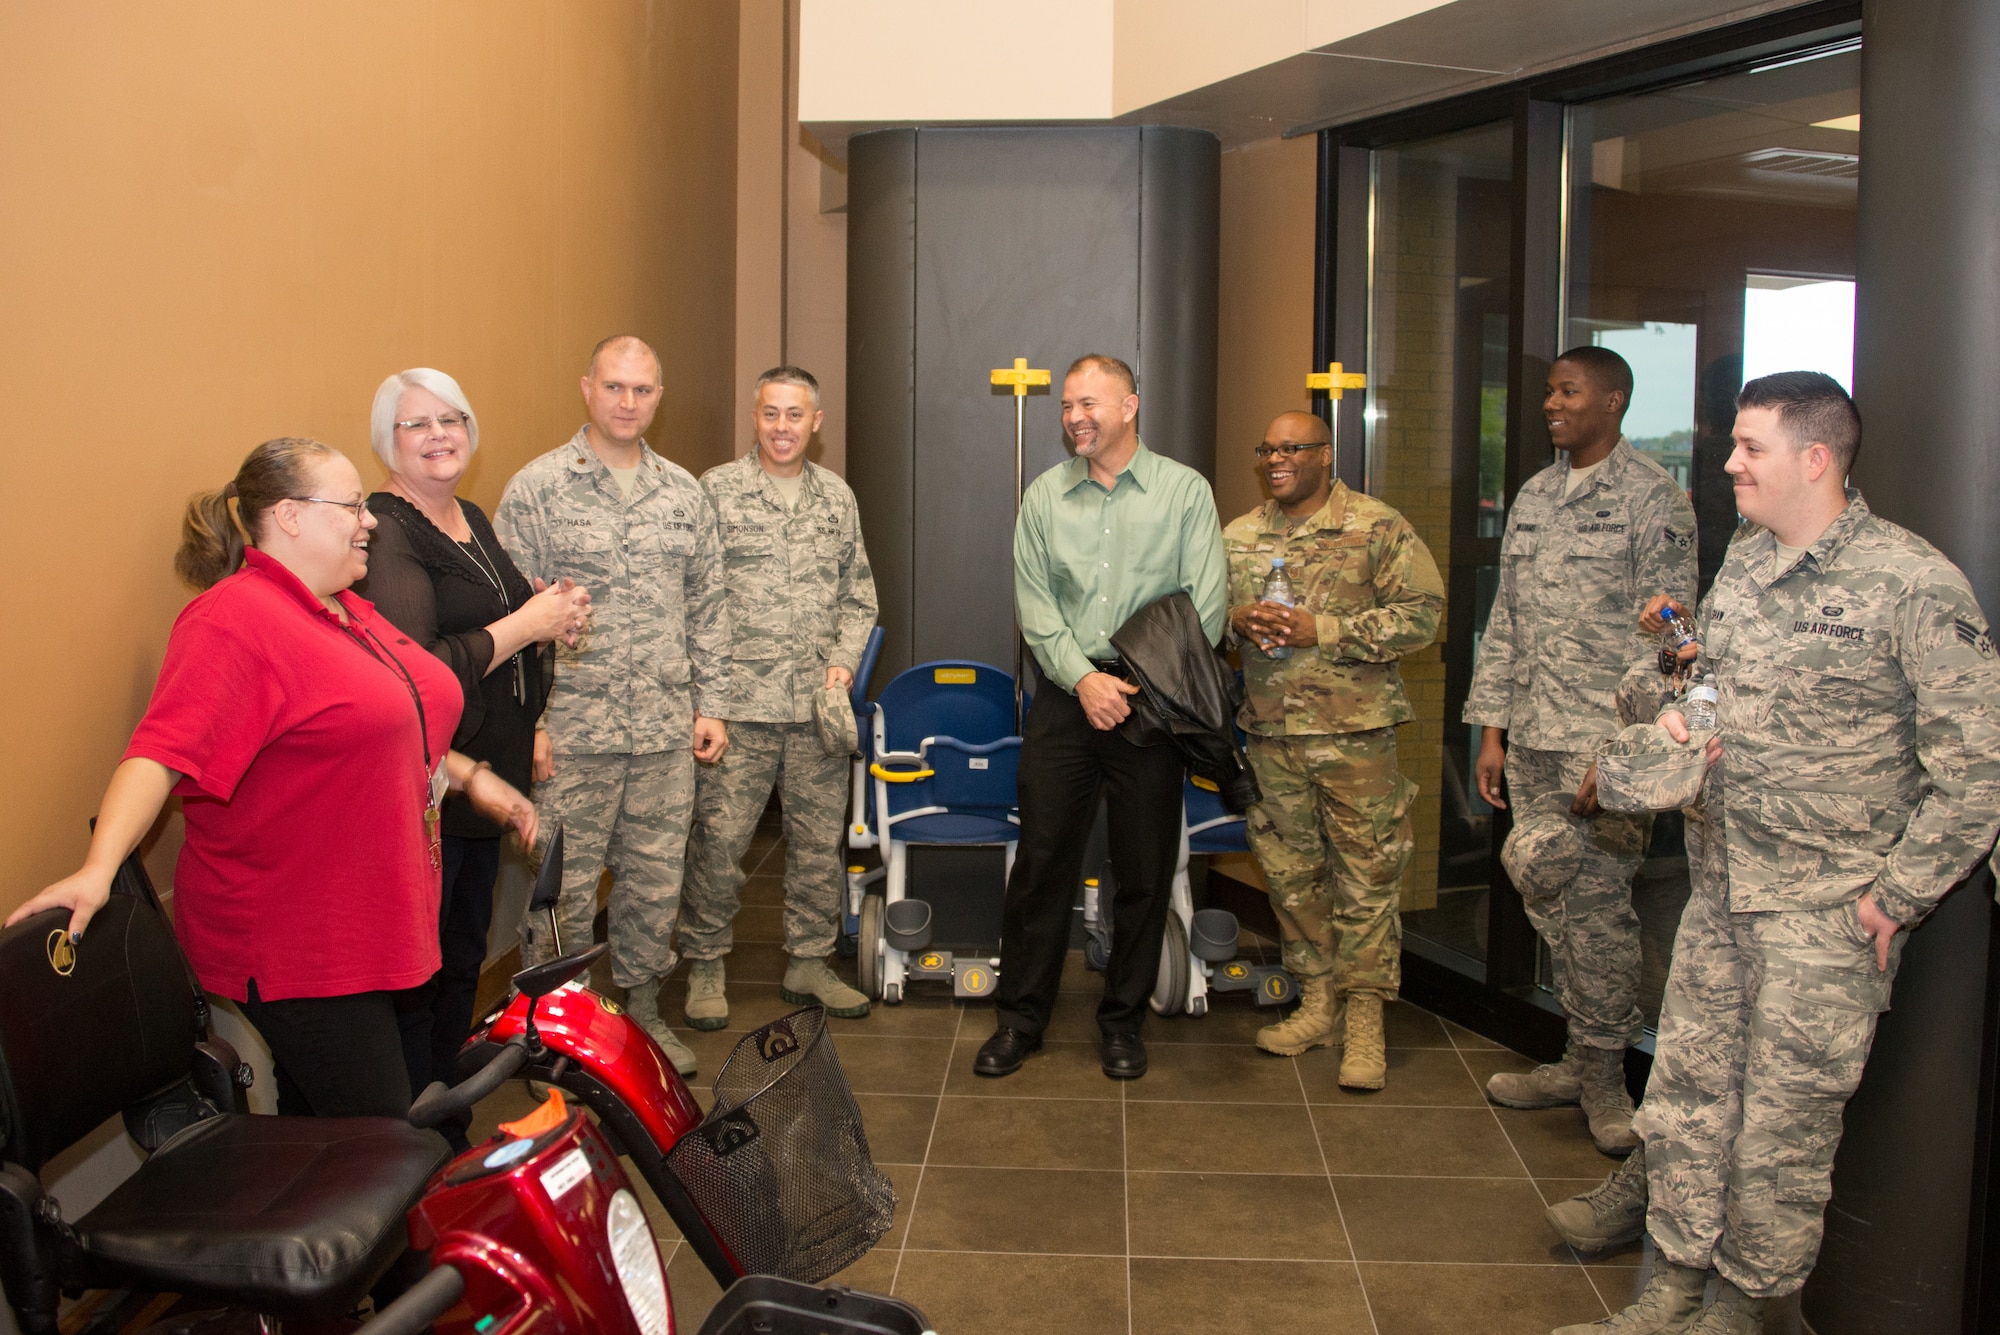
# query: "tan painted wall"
[[227, 220], [791, 239], [1263, 305], [763, 129]]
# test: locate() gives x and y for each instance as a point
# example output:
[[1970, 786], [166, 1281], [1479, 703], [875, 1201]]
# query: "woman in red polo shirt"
[[309, 742]]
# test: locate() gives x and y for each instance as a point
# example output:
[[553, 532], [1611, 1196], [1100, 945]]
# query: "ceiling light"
[[1842, 123]]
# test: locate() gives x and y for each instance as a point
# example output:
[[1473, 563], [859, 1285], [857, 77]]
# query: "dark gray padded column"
[[1180, 211], [1909, 1243], [881, 370], [968, 248]]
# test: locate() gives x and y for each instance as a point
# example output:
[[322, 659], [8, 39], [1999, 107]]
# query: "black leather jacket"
[[1188, 696]]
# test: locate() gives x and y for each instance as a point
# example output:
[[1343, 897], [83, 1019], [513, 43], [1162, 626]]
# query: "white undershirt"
[[627, 478], [1579, 476]]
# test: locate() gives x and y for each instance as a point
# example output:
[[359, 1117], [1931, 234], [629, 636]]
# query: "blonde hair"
[[382, 417], [212, 538]]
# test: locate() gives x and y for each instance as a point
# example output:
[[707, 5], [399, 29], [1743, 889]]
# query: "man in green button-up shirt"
[[1099, 537]]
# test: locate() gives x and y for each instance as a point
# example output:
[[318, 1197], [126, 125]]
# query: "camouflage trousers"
[[1333, 837], [628, 813], [1590, 928], [1764, 1032], [729, 799]]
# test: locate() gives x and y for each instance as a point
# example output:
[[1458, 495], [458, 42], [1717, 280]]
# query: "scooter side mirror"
[[548, 881], [542, 979]]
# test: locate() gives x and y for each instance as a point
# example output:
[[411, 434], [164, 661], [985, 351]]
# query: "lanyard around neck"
[[409, 681]]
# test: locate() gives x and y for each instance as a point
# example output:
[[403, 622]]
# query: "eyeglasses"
[[1290, 450], [359, 508], [448, 421]]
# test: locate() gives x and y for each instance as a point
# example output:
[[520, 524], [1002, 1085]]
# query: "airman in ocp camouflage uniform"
[[1858, 781], [802, 601], [635, 702], [1332, 832], [1587, 542]]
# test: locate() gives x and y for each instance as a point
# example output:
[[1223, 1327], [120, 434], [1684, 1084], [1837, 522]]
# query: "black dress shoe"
[[1003, 1053], [1124, 1056]]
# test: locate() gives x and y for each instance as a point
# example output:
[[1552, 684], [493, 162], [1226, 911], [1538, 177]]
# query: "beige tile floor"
[[1227, 1190]]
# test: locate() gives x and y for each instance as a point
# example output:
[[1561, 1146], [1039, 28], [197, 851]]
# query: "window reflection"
[[1439, 297], [1711, 239]]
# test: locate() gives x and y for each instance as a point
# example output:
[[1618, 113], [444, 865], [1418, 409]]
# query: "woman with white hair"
[[438, 573]]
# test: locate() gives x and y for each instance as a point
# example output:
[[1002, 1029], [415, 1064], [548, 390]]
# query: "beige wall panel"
[[1264, 305], [816, 274], [763, 131], [228, 221]]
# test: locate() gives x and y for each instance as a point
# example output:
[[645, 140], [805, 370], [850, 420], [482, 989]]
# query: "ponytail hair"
[[213, 538]]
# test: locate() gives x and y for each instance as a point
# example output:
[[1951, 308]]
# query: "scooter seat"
[[291, 1216]]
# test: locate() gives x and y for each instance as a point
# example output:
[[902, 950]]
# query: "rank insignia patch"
[[1975, 636]]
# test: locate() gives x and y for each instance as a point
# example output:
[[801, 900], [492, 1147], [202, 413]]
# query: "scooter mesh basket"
[[780, 1166]]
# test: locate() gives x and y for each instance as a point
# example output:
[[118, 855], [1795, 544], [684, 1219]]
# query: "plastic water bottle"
[[1702, 700], [1677, 635], [1278, 589]]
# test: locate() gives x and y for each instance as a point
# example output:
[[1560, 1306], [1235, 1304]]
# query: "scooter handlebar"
[[424, 1302], [440, 1101]]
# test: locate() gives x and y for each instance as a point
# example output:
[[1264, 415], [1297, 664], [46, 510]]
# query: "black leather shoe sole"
[[1003, 1053], [1124, 1060]]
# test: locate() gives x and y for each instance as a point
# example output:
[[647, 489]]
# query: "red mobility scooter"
[[776, 1179], [283, 1218]]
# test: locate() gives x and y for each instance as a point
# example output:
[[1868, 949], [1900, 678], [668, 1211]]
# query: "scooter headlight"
[[637, 1261]]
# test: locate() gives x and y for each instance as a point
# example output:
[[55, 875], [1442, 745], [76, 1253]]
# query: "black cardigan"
[[430, 588]]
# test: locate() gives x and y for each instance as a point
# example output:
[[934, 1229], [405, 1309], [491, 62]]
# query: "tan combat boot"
[[1610, 1214], [1364, 1058], [1314, 1024], [1668, 1306], [642, 1003], [1733, 1312], [1551, 1085], [707, 1007], [1601, 1080], [809, 981]]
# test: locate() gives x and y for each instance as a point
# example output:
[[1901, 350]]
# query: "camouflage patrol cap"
[[1545, 850], [833, 714], [1644, 769]]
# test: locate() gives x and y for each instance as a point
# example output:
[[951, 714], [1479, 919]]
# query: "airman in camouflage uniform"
[[635, 701], [1858, 780], [1333, 829], [1576, 565], [802, 601]]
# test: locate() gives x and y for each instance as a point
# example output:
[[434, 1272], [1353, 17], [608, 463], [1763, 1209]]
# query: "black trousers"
[[435, 1031], [1065, 766], [436, 1017], [335, 1056]]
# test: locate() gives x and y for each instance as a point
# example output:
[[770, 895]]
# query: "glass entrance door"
[[1441, 289]]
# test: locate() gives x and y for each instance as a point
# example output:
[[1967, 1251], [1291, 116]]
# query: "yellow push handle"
[[1335, 379], [898, 775]]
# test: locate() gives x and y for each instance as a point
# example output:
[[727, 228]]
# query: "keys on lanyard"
[[433, 813]]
